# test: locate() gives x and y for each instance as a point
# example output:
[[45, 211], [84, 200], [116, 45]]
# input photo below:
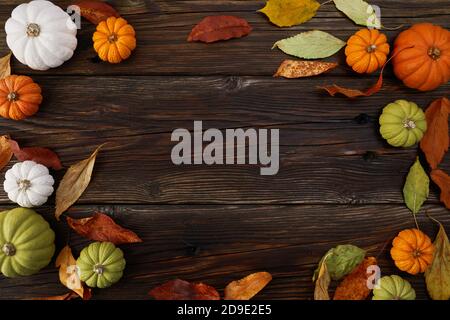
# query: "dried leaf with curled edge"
[[5, 151], [40, 155], [442, 179], [435, 141], [74, 182], [322, 283], [417, 187], [292, 69], [96, 11], [68, 274], [182, 290], [248, 287], [5, 66], [360, 12], [287, 13], [354, 286], [216, 28], [101, 227]]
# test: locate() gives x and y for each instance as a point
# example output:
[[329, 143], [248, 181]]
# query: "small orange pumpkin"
[[114, 40], [367, 50], [422, 56], [20, 97], [412, 251]]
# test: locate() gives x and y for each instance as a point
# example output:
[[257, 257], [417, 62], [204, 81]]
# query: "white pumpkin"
[[29, 184], [41, 35]]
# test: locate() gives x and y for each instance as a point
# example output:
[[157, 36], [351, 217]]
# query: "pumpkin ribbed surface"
[[393, 288]]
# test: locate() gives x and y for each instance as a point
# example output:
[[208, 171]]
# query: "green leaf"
[[341, 260], [314, 44], [360, 12], [287, 13], [437, 275], [416, 188]]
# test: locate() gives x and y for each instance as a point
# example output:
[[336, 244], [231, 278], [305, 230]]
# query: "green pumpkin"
[[393, 288], [27, 243], [101, 264], [403, 123]]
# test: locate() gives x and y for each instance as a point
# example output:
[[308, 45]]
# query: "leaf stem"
[[326, 2]]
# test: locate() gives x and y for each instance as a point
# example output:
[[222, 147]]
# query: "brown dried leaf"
[[101, 227], [5, 66], [43, 156], [292, 69], [74, 182], [354, 93], [354, 286], [216, 28], [183, 290], [96, 11], [248, 287], [322, 284], [442, 179], [68, 274], [5, 151], [435, 142]]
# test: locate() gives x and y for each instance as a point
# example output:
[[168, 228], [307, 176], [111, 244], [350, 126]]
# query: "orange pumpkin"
[[367, 50], [114, 40], [20, 97], [412, 251], [422, 58]]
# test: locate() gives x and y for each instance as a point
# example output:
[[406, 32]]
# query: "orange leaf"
[[5, 151], [300, 68], [43, 156], [96, 11], [354, 286], [100, 227], [183, 290], [215, 28], [68, 274], [442, 179], [435, 141], [67, 296], [248, 287]]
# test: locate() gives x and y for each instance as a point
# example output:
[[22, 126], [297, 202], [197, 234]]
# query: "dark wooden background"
[[339, 182]]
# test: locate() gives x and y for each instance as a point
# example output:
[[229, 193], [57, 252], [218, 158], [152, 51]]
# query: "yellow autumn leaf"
[[68, 274], [248, 287], [287, 13], [5, 151], [5, 66]]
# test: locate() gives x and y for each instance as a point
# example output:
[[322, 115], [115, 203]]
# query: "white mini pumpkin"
[[41, 35], [28, 183]]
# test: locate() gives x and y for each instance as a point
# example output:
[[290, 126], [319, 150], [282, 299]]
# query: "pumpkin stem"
[[13, 96], [33, 30], [112, 38], [416, 253], [371, 48], [99, 269], [24, 184], [9, 249], [434, 53], [409, 124]]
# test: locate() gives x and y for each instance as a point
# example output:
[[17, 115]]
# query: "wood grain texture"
[[217, 244]]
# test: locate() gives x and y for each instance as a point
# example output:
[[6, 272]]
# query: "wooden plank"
[[163, 30], [329, 152], [218, 244]]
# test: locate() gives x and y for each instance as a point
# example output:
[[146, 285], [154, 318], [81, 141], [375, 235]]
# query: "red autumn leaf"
[[216, 28], [43, 156], [96, 11], [183, 290], [100, 227], [442, 179], [435, 141], [354, 286]]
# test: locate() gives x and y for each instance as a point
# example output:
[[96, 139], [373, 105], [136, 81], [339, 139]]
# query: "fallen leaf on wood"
[[354, 285], [216, 28], [437, 275], [5, 151], [313, 44], [417, 187], [360, 12], [248, 287], [322, 283], [183, 290], [292, 69], [96, 11], [43, 156], [67, 296], [68, 274], [442, 179], [435, 142], [287, 13], [101, 227], [5, 66], [74, 182]]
